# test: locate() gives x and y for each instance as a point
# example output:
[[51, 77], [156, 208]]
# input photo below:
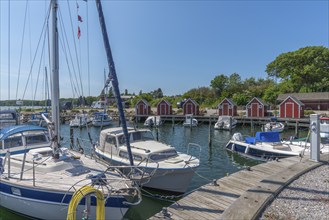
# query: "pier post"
[[173, 122], [71, 137], [296, 129], [209, 140], [315, 137], [252, 127]]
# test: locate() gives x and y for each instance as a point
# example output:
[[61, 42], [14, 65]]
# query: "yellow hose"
[[80, 194]]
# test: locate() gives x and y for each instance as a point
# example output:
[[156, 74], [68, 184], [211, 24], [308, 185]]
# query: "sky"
[[172, 45]]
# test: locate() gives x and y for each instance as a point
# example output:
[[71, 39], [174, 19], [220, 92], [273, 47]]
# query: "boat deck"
[[248, 191]]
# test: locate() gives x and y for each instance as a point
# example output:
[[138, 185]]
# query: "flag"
[[79, 18], [79, 32], [77, 5]]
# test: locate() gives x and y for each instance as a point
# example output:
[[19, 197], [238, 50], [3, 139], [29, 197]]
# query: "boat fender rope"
[[79, 195]]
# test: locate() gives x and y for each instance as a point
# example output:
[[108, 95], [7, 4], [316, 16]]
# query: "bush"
[[308, 112]]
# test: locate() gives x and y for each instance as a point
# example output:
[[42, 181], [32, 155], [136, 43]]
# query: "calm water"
[[216, 162]]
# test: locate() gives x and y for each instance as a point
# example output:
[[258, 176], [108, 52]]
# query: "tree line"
[[303, 70]]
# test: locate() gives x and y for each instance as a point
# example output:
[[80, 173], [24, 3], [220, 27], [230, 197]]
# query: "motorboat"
[[268, 146], [8, 118], [274, 125], [190, 121], [80, 120], [225, 123], [49, 181], [169, 170], [101, 119], [324, 127], [153, 121]]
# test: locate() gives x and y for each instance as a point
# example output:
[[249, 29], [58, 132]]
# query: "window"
[[125, 155], [13, 141], [163, 155], [110, 140], [36, 139]]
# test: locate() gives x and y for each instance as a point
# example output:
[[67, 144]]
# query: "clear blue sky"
[[172, 45]]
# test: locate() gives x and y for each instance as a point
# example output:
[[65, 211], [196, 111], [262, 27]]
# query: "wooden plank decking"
[[247, 191]]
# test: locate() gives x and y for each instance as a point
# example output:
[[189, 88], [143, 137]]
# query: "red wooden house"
[[190, 107], [227, 107], [164, 108], [256, 108], [142, 108], [291, 107]]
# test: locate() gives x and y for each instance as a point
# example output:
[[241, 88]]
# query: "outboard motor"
[[237, 137]]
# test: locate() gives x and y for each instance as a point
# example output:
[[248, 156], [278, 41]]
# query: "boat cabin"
[[227, 107], [21, 138], [142, 143]]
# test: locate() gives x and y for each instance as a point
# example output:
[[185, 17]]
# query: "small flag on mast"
[[79, 18]]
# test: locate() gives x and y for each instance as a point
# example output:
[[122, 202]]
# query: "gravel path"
[[305, 198]]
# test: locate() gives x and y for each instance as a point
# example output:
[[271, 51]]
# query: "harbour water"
[[216, 162]]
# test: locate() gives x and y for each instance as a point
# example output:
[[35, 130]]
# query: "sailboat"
[[44, 180]]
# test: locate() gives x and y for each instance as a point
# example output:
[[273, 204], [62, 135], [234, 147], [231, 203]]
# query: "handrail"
[[194, 145]]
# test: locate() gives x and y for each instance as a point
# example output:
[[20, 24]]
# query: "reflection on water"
[[216, 162]]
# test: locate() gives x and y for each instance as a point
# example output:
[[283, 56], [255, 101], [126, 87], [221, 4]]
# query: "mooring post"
[[252, 127], [315, 137], [296, 129], [71, 137], [173, 122], [231, 123], [209, 141]]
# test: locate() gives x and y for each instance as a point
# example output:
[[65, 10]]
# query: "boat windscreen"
[[163, 155]]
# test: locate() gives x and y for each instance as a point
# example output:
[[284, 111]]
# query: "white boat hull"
[[167, 179], [51, 210]]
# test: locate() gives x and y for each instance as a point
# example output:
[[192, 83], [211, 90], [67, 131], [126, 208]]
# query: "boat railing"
[[194, 145]]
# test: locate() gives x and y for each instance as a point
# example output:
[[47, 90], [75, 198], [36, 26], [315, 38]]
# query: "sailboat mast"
[[114, 78], [55, 76]]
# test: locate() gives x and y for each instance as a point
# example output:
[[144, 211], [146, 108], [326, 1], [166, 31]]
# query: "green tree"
[[304, 68], [219, 83]]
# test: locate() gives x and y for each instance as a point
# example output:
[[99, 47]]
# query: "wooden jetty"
[[241, 195]]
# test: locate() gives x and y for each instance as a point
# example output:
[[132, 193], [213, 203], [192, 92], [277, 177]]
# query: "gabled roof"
[[294, 99], [189, 99], [144, 101], [306, 96], [163, 100], [229, 100], [259, 100]]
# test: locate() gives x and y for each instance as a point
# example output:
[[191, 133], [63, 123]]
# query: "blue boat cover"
[[10, 130], [271, 136]]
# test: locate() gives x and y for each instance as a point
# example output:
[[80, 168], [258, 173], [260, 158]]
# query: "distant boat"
[[274, 125], [190, 121], [153, 121], [324, 127], [36, 119], [80, 120], [101, 119], [8, 118], [169, 170], [225, 123]]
